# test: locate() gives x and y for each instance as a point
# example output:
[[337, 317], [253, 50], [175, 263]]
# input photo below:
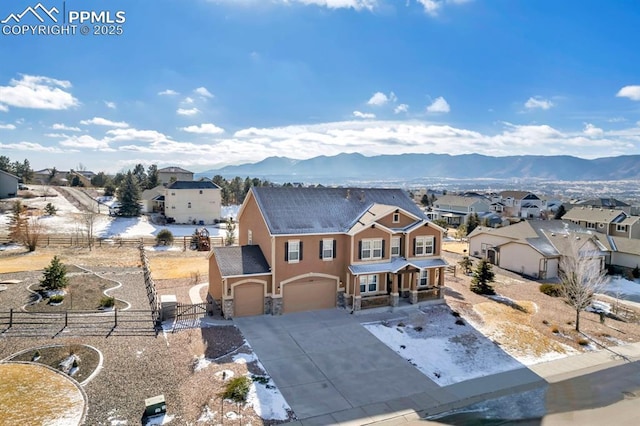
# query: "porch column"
[[413, 296], [395, 296], [356, 304]]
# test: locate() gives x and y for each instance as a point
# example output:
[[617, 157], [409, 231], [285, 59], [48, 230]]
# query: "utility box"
[[155, 406], [168, 304]]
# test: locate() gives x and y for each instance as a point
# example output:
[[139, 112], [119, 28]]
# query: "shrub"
[[555, 329], [636, 272], [58, 298], [164, 238], [50, 209], [36, 356], [583, 342], [107, 302], [75, 363], [552, 290], [237, 389], [28, 195], [260, 379], [545, 322]]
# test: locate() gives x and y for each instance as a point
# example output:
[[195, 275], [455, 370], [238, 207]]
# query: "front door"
[[491, 256]]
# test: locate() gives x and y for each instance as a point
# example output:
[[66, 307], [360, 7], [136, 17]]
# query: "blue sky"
[[200, 83]]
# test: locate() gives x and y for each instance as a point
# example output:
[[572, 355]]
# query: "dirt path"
[[80, 199]]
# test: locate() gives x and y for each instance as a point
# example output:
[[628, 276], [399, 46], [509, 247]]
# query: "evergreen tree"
[[472, 223], [483, 276], [560, 212], [152, 177], [231, 232], [5, 164], [54, 276], [141, 175], [76, 181], [129, 196], [425, 201], [109, 190], [100, 180], [50, 209]]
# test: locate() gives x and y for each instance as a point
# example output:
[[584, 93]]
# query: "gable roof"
[[289, 210], [603, 202], [517, 195], [590, 214], [240, 260], [193, 184], [9, 174], [173, 170]]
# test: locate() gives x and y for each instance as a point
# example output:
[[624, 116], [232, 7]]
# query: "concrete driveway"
[[325, 362]]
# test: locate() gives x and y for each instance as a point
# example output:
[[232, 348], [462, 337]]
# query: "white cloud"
[[187, 112], [7, 127], [202, 91], [363, 114], [188, 100], [60, 126], [617, 120], [432, 7], [168, 92], [631, 92], [379, 99], [85, 141], [111, 105], [401, 108], [538, 102], [37, 92], [439, 105], [30, 146], [205, 128], [591, 130], [99, 121], [120, 135], [4, 108]]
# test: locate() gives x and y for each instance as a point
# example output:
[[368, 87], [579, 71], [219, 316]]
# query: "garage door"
[[248, 299], [309, 295]]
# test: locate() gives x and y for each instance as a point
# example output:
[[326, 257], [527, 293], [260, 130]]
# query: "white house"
[[522, 204], [152, 200], [456, 209], [8, 184], [193, 202], [532, 248]]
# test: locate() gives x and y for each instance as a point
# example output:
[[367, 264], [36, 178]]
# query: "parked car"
[[22, 187]]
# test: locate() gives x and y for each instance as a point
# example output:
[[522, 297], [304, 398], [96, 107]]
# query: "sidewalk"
[[416, 407]]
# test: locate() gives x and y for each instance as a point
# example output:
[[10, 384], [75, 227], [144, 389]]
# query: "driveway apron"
[[325, 362]]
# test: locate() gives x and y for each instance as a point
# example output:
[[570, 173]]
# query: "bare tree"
[[32, 233], [89, 220], [581, 272]]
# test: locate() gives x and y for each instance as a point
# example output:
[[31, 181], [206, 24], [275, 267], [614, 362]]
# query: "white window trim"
[[395, 246], [327, 243], [396, 218], [420, 277], [369, 280], [424, 239], [621, 228], [372, 242], [296, 244]]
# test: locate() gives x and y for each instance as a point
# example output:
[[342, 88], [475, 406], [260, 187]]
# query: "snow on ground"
[[230, 211], [623, 289], [442, 350]]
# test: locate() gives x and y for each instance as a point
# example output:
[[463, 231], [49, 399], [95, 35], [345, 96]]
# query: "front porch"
[[395, 284]]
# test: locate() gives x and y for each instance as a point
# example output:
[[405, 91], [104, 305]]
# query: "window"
[[591, 225], [395, 246], [371, 249], [293, 251], [621, 228], [173, 193], [249, 237], [189, 205], [327, 249], [423, 278], [368, 284], [396, 218], [201, 191], [423, 246]]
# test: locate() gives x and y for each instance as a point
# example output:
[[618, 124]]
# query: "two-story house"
[[522, 204], [317, 248], [612, 222], [456, 209], [193, 202], [168, 175]]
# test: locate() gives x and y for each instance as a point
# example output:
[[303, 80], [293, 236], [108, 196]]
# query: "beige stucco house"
[[317, 248], [168, 175], [456, 209], [532, 248], [193, 202]]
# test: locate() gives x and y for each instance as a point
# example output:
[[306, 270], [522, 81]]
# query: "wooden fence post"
[[10, 317], [66, 318], [115, 317]]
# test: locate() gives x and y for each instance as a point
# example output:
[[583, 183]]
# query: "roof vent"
[[361, 196], [348, 194]]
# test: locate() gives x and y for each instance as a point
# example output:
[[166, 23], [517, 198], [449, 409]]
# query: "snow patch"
[[207, 415], [158, 420]]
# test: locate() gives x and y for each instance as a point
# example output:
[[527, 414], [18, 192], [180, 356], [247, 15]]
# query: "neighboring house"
[[44, 177], [198, 203], [624, 252], [605, 203], [171, 174], [317, 248], [616, 223], [8, 184], [522, 204], [152, 200], [531, 248], [456, 209]]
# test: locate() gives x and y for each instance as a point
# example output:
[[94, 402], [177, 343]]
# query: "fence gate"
[[191, 311]]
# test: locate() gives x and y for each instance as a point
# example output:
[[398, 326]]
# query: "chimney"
[[348, 194]]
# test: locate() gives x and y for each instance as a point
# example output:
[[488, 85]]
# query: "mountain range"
[[344, 168]]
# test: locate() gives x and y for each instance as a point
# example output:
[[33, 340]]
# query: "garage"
[[248, 299], [309, 295]]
